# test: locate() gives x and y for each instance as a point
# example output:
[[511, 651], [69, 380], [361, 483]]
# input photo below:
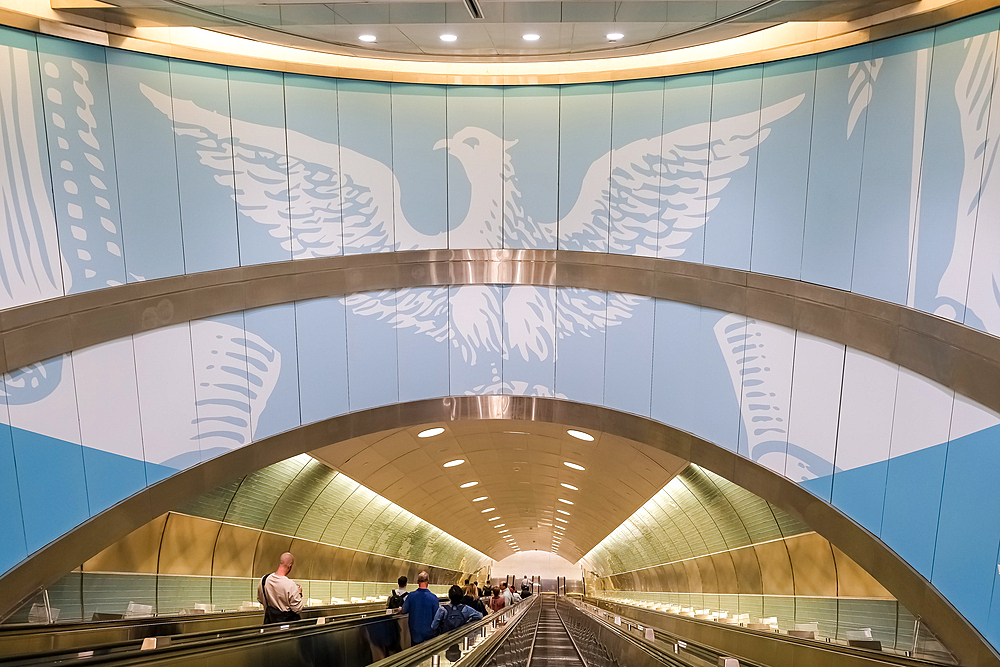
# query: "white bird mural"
[[662, 189]]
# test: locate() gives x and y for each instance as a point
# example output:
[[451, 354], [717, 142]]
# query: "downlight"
[[580, 435], [367, 38], [452, 464], [448, 38], [476, 500], [467, 485], [568, 486], [568, 502], [574, 466], [431, 432]]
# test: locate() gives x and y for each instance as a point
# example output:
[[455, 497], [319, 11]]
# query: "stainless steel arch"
[[951, 354], [914, 592]]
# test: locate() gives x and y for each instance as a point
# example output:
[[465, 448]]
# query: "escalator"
[[354, 640], [22, 639], [553, 644]]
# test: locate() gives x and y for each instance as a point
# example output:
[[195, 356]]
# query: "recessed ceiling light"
[[488, 509], [568, 486], [367, 38], [468, 484], [505, 530], [493, 518], [568, 502], [615, 36], [500, 525], [476, 500], [574, 466], [580, 435], [531, 37], [448, 38], [431, 432], [563, 512], [452, 464], [561, 519]]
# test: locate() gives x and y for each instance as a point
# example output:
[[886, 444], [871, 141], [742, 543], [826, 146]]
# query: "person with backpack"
[[454, 615], [398, 595], [281, 597]]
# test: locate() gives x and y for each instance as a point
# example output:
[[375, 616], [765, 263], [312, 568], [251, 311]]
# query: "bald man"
[[281, 597]]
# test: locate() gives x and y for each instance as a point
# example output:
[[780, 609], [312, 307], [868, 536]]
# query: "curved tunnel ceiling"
[[520, 472]]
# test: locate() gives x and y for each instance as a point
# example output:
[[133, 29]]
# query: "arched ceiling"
[[413, 28], [520, 468]]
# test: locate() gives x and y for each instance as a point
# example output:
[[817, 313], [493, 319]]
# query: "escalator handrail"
[[199, 639], [880, 656]]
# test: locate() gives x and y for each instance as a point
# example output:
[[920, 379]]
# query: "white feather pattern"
[[662, 188], [302, 199]]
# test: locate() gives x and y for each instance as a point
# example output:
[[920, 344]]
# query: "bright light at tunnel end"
[[431, 432]]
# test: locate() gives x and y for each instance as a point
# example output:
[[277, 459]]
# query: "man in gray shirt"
[[281, 597]]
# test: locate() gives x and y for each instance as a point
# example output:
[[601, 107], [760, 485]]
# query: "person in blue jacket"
[[421, 606], [455, 615]]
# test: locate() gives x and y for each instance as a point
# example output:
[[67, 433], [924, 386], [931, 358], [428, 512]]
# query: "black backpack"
[[453, 618], [396, 601]]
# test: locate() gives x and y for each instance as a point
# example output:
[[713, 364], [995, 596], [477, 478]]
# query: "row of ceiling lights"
[[557, 530], [529, 37]]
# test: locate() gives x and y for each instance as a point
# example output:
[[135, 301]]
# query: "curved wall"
[[866, 169], [122, 168], [899, 454], [349, 542]]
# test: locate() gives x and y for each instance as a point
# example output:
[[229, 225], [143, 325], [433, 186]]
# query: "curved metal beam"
[[949, 353], [912, 590]]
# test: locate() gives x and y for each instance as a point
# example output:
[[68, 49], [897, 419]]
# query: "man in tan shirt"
[[281, 597]]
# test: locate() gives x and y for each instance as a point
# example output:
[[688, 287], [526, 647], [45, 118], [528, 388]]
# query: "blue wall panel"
[[147, 168], [314, 173], [422, 342], [628, 359], [371, 350], [636, 129], [204, 170], [85, 182], [844, 84], [420, 163], [584, 166], [531, 140], [257, 104], [272, 369], [783, 171], [581, 323], [736, 98], [321, 331], [894, 133]]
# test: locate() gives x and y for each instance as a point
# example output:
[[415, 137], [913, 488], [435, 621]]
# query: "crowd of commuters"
[[427, 618]]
